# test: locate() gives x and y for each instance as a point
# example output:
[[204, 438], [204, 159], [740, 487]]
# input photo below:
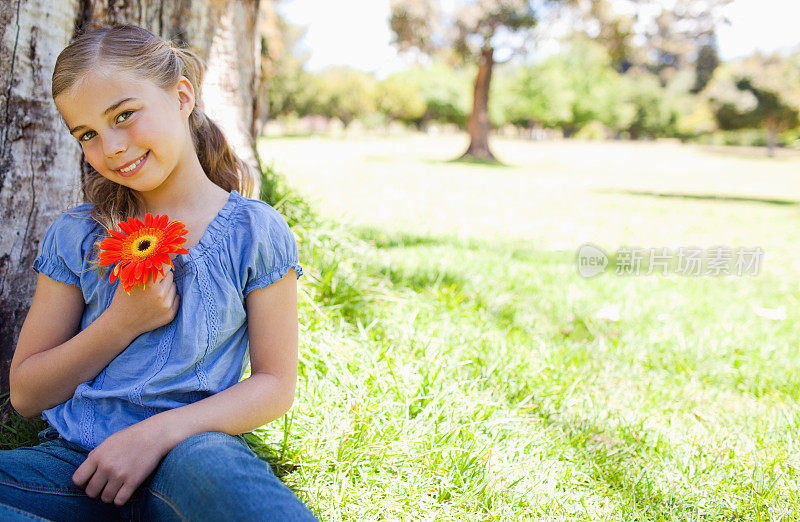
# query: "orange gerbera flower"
[[142, 249]]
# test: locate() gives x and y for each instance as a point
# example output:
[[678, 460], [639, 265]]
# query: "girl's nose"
[[114, 145]]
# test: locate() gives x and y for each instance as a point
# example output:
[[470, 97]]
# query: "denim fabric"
[[209, 476], [203, 350]]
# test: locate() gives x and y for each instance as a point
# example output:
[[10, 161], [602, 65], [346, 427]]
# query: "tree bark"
[[478, 123], [40, 163]]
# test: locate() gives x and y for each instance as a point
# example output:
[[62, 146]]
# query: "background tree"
[[446, 92], [534, 96], [771, 112], [400, 100], [662, 37], [706, 63], [41, 164], [761, 91], [472, 34], [345, 93], [285, 87], [613, 30]]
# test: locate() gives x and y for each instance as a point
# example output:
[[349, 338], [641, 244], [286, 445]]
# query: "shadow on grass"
[[467, 160], [704, 197], [381, 239], [749, 152], [271, 454], [475, 162], [421, 280], [453, 288], [17, 431], [615, 459], [455, 291]]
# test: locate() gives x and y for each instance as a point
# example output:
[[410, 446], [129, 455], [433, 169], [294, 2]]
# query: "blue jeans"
[[209, 476]]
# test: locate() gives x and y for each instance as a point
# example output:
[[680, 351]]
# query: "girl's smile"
[[131, 168]]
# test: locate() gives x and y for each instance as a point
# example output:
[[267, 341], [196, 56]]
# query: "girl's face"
[[131, 131]]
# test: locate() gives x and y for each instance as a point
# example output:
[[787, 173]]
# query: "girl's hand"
[[147, 308], [119, 465]]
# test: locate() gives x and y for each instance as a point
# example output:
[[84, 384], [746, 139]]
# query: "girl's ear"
[[186, 97]]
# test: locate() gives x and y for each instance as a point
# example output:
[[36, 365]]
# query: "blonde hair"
[[132, 48]]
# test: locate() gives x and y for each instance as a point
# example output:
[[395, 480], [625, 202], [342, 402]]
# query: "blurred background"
[[703, 71], [580, 97]]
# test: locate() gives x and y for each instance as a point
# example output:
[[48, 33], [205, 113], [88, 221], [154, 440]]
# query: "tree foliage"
[[662, 37], [399, 99], [344, 93], [445, 90]]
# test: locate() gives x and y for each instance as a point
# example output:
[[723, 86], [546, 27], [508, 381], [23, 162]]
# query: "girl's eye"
[[90, 134], [126, 117]]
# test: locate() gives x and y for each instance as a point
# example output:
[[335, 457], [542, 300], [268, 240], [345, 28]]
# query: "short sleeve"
[[271, 250], [61, 256]]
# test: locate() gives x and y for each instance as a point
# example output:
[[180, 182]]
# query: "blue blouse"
[[203, 350]]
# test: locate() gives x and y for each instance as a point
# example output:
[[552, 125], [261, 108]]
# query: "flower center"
[[144, 245]]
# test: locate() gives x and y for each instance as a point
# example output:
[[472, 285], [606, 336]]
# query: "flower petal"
[[111, 244], [126, 271], [125, 227]]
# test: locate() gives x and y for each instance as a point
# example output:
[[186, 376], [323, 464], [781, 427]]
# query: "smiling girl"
[[142, 391]]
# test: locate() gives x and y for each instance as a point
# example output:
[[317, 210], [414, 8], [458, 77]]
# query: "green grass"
[[455, 366], [460, 372], [473, 380]]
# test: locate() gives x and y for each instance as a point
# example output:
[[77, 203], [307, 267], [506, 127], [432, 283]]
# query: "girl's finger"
[[110, 491], [123, 495], [173, 308], [96, 485], [84, 473]]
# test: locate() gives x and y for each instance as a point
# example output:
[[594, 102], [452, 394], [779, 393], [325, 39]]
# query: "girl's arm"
[[269, 391], [50, 361]]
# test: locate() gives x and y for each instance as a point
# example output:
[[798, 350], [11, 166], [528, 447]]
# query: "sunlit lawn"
[[455, 366]]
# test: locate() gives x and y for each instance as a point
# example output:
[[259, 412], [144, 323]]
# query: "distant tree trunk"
[[40, 164], [772, 132], [478, 123]]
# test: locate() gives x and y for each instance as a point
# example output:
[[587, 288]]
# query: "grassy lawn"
[[455, 365]]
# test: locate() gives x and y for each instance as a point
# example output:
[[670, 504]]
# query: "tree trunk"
[[478, 124], [40, 163], [772, 131]]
